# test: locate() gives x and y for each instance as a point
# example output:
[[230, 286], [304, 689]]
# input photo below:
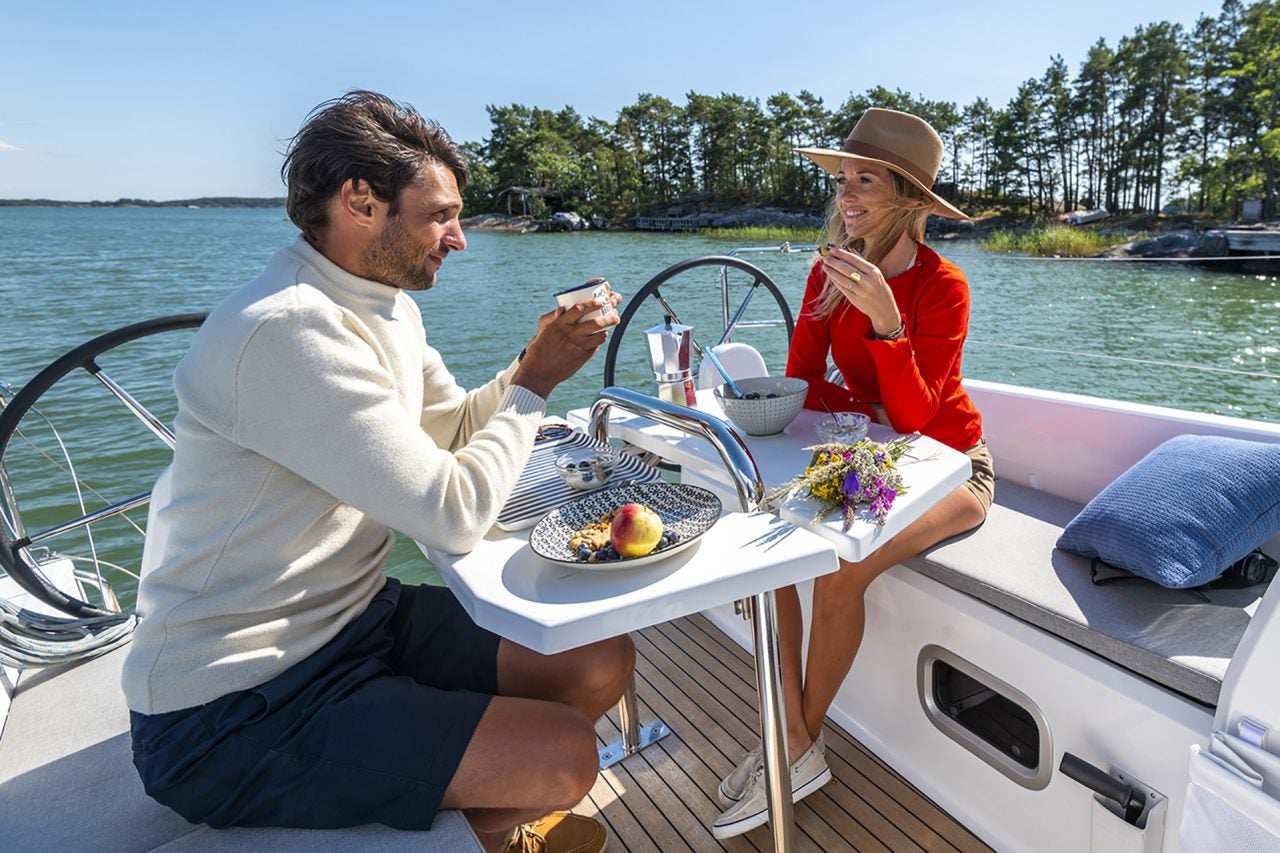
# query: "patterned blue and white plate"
[[689, 511]]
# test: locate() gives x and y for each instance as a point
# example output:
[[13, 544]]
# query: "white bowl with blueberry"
[[587, 468], [767, 405]]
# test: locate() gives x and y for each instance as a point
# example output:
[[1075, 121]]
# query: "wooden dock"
[[1248, 240], [667, 223]]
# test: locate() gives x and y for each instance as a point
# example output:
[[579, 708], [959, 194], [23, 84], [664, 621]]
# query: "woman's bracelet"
[[892, 336]]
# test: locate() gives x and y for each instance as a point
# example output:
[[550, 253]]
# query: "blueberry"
[[583, 552], [675, 537], [587, 477], [771, 397], [584, 464]]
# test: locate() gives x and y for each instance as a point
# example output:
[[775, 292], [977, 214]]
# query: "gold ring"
[[855, 276]]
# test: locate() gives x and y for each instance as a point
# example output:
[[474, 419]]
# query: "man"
[[278, 678]]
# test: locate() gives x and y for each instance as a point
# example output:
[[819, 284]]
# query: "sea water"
[[1171, 334]]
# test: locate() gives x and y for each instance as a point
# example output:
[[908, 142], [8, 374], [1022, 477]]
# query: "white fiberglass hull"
[[1072, 447]]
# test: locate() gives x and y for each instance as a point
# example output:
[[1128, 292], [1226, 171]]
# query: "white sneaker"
[[808, 774], [735, 785]]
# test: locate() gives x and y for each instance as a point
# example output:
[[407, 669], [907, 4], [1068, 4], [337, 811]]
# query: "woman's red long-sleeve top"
[[916, 377]]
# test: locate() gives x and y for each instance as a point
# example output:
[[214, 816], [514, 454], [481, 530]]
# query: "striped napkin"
[[540, 489]]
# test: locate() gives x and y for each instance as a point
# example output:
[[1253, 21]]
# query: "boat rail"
[[736, 322]]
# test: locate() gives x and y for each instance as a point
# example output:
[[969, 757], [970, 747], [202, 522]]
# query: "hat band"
[[875, 152]]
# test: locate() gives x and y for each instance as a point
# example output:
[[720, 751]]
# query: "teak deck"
[[702, 685]]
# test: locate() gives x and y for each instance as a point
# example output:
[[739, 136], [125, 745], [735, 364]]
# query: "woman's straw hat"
[[899, 141]]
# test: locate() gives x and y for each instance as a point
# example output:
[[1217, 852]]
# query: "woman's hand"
[[862, 283]]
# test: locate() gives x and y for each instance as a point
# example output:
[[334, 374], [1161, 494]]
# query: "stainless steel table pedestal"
[[635, 737], [773, 720]]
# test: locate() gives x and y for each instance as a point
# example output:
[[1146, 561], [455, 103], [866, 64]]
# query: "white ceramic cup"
[[596, 288]]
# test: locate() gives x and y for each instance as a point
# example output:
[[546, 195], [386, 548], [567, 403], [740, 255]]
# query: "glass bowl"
[[586, 468], [843, 428]]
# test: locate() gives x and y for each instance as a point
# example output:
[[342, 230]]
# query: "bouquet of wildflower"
[[847, 476]]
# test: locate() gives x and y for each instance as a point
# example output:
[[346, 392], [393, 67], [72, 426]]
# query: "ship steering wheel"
[[651, 299], [101, 466]]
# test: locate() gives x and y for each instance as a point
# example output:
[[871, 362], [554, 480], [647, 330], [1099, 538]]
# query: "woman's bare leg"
[[839, 609], [790, 637]]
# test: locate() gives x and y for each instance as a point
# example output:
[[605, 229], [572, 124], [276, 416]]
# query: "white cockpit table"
[[550, 607], [930, 472]]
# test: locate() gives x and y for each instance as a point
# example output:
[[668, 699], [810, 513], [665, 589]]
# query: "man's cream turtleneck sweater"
[[313, 421]]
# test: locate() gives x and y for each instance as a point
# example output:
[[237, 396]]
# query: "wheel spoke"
[[737, 316], [139, 411]]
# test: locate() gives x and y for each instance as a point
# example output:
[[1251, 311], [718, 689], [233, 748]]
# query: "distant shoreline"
[[208, 201]]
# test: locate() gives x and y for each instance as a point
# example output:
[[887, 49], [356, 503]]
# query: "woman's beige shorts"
[[983, 480]]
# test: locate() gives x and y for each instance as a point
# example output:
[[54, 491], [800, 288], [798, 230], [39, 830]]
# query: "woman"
[[894, 316]]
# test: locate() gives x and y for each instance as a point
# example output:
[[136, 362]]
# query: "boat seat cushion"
[[67, 782], [1184, 512], [1176, 638]]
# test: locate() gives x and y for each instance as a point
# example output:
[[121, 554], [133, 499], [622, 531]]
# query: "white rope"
[[30, 639]]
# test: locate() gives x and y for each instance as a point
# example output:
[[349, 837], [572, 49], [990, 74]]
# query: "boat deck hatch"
[[985, 715]]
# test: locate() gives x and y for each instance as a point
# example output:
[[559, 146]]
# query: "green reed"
[[776, 233], [1051, 240]]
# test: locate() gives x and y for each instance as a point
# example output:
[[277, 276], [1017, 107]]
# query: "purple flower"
[[851, 484]]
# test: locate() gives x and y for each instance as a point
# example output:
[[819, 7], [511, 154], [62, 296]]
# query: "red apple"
[[635, 530]]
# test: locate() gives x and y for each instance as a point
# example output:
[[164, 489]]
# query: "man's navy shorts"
[[369, 729]]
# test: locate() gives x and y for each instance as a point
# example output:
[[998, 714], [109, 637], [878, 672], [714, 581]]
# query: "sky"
[[114, 99]]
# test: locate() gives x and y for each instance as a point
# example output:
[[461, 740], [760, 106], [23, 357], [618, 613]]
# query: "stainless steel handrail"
[[737, 459]]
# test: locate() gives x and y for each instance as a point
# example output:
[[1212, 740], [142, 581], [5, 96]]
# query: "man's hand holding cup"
[[568, 336]]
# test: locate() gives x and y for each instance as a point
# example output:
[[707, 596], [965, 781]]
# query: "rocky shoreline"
[[1171, 237], [746, 217]]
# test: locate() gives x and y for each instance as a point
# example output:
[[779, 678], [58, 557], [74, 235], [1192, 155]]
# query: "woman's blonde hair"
[[911, 209]]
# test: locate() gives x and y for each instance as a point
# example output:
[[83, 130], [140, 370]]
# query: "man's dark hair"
[[362, 136]]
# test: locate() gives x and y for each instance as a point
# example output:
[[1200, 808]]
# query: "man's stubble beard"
[[393, 259]]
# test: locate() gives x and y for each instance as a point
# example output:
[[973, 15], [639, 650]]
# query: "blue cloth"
[[1185, 512]]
